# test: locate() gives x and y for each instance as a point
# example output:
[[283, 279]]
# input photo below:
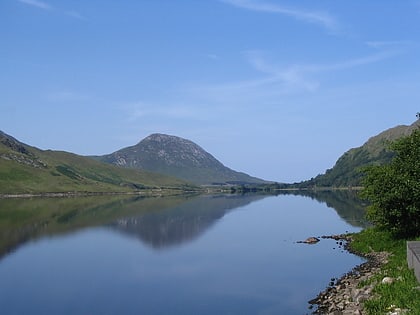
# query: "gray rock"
[[387, 280]]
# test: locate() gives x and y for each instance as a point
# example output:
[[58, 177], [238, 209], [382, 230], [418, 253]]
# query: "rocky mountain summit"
[[177, 157]]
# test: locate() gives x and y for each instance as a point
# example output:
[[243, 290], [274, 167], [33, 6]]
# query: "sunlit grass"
[[404, 291]]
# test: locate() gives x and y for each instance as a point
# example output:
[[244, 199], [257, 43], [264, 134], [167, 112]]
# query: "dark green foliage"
[[394, 189], [67, 171]]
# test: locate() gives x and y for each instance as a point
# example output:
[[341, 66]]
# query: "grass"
[[66, 172], [404, 292]]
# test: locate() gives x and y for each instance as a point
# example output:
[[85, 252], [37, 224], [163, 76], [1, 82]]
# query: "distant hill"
[[346, 171], [177, 157], [26, 169]]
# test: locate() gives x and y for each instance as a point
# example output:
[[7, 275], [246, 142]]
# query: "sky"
[[276, 89]]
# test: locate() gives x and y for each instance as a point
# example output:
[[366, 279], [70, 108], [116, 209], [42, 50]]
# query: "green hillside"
[[347, 170], [25, 169]]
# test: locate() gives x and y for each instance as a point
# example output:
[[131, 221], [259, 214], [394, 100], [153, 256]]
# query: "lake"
[[224, 254]]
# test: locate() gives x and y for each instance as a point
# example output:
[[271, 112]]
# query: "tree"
[[394, 189]]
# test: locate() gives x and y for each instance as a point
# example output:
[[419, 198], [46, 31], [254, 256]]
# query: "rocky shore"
[[346, 295]]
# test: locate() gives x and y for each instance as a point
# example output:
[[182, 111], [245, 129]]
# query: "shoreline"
[[148, 192], [347, 294]]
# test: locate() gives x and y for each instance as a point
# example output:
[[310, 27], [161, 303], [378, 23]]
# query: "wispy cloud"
[[351, 63], [75, 14], [37, 4], [259, 63], [273, 81], [45, 6], [212, 56], [315, 17], [388, 44]]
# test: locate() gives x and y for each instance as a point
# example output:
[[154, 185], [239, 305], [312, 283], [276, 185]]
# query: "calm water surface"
[[198, 255]]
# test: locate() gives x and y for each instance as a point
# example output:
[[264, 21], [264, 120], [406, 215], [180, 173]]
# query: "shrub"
[[394, 189]]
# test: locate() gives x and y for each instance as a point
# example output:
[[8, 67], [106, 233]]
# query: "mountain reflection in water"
[[159, 222], [169, 255], [347, 203], [181, 223]]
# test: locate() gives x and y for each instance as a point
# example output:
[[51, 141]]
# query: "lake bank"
[[147, 192], [382, 285], [346, 295]]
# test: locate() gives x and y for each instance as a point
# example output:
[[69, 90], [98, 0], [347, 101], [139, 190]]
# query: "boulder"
[[310, 240]]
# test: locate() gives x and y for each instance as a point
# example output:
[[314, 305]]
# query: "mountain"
[[177, 157], [26, 169], [346, 171]]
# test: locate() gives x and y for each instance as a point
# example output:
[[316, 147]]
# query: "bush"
[[394, 189]]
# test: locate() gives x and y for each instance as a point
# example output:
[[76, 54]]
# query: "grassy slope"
[[402, 293], [37, 171], [346, 171]]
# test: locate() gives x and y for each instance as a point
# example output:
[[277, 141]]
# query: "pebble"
[[347, 296]]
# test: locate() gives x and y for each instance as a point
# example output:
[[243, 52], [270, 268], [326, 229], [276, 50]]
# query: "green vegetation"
[[28, 170], [347, 172], [404, 292], [394, 192], [394, 189]]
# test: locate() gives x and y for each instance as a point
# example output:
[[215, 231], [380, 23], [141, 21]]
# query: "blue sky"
[[276, 89]]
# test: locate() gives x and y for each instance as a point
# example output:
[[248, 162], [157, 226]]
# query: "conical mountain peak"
[[178, 157]]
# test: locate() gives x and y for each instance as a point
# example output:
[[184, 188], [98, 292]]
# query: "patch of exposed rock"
[[18, 152], [29, 159], [346, 295]]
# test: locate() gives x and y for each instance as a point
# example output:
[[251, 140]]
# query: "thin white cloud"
[[212, 56], [275, 81], [75, 14], [45, 6], [387, 44], [348, 64], [37, 4], [315, 17], [256, 59]]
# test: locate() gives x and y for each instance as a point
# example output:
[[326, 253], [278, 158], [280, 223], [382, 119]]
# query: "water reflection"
[[181, 223], [159, 222], [82, 255], [23, 220], [347, 203]]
